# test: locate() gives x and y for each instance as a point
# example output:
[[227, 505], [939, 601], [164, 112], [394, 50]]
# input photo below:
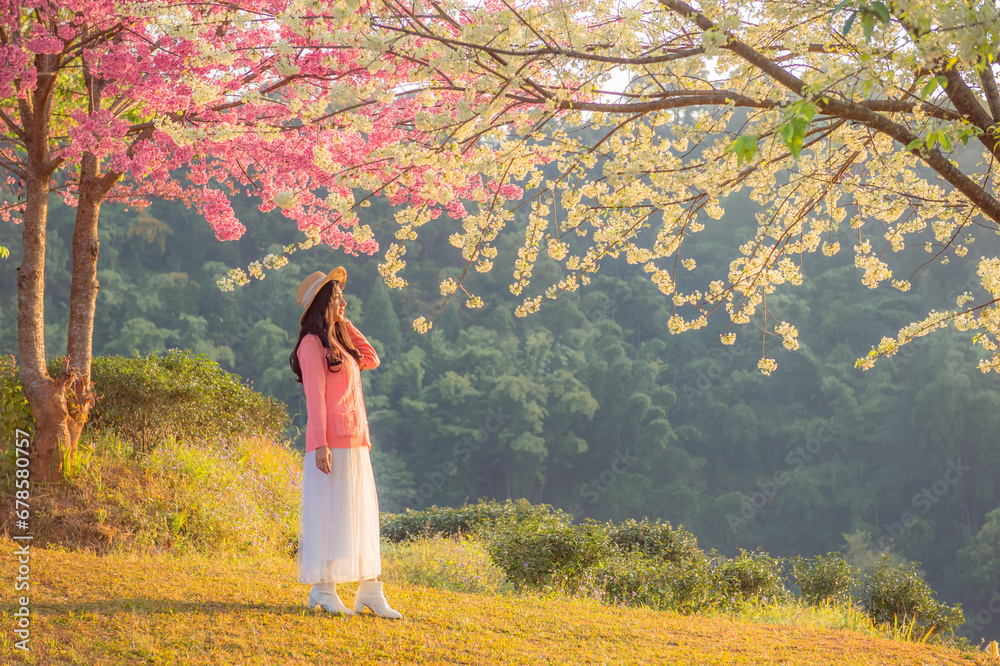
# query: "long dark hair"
[[315, 323]]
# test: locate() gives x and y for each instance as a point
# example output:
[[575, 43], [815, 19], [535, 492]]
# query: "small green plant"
[[824, 578], [658, 540], [14, 410], [753, 576], [546, 551], [75, 460], [634, 579], [896, 595], [466, 519]]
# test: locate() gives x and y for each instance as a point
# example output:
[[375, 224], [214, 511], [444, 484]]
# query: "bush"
[[898, 595], [14, 410], [754, 576], [146, 398], [824, 578], [633, 579], [547, 551], [657, 540], [466, 519]]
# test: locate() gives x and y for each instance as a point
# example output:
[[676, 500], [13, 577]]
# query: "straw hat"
[[312, 284]]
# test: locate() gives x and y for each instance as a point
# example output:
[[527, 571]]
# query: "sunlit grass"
[[185, 555], [241, 496], [456, 565], [230, 608], [847, 616]]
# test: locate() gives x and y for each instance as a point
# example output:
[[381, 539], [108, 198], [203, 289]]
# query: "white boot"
[[370, 594], [325, 594]]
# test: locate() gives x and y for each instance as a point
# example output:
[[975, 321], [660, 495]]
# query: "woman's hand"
[[324, 459]]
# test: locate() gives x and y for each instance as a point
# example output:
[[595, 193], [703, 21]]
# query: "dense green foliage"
[[656, 565], [896, 593], [147, 398], [657, 540], [14, 410], [824, 578], [591, 405], [469, 518]]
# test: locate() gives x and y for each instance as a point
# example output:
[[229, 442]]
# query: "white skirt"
[[338, 519]]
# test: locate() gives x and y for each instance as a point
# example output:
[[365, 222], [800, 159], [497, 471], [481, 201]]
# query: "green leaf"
[[793, 132], [849, 23], [787, 132], [881, 11], [929, 87], [915, 144], [868, 25], [745, 148]]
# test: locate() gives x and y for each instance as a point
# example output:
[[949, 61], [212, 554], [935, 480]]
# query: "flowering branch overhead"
[[830, 127]]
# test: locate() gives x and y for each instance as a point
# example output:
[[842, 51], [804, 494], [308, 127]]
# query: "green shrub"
[[466, 519], [631, 579], [824, 578], [896, 594], [754, 576], [14, 410], [634, 579], [657, 540], [146, 398], [547, 551]]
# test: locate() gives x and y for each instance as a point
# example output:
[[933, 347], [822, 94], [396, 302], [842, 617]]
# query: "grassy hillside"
[[177, 546], [216, 609]]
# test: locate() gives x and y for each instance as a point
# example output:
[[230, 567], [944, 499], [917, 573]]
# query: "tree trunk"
[[83, 298], [45, 395]]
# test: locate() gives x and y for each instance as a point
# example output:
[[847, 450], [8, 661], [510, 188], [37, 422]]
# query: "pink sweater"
[[336, 407]]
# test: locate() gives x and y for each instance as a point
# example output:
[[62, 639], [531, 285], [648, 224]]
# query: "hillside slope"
[[211, 609]]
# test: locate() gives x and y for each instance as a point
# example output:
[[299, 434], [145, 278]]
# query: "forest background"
[[591, 404]]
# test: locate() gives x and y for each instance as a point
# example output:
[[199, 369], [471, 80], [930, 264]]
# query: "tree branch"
[[989, 83], [849, 110]]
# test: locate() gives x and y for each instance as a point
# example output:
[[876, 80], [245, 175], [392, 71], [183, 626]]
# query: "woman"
[[338, 523]]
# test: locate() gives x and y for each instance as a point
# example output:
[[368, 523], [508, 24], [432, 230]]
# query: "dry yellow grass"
[[216, 609]]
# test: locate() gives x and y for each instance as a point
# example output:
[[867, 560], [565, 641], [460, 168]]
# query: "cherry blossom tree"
[[842, 119], [105, 100]]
